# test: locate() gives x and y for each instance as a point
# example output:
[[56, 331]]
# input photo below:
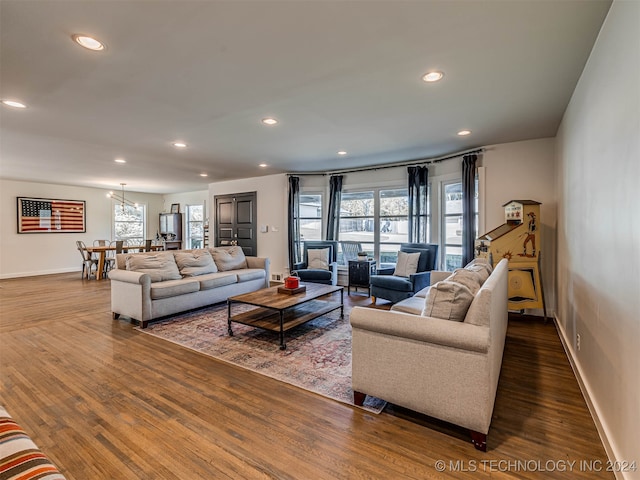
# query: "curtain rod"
[[405, 163]]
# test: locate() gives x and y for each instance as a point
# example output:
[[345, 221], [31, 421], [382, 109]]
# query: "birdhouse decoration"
[[518, 240]]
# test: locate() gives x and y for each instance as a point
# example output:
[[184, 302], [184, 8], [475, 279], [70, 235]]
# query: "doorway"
[[236, 221]]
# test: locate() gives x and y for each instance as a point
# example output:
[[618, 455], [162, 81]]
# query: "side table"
[[360, 274]]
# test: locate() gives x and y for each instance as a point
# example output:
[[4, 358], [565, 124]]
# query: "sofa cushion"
[[390, 282], [173, 288], [469, 278], [448, 301], [422, 293], [250, 274], [481, 270], [407, 264], [160, 266], [229, 258], [195, 262], [213, 280], [412, 305]]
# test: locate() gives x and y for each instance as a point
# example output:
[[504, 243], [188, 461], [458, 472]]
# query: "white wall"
[[598, 260], [45, 253], [271, 192]]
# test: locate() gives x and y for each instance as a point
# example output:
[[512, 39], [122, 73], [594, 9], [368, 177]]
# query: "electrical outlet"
[[578, 341]]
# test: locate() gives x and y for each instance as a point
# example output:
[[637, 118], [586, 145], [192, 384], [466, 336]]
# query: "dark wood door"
[[236, 222]]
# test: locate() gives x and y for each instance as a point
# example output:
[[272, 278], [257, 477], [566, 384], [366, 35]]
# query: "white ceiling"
[[337, 75]]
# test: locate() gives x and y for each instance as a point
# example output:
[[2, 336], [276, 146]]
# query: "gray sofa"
[[146, 286], [446, 369]]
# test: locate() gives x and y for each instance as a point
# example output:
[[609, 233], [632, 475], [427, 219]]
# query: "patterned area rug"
[[317, 358]]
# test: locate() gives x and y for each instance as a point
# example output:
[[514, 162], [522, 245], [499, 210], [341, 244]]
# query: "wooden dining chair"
[[147, 245]]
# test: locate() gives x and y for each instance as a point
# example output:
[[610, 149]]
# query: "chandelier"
[[120, 198]]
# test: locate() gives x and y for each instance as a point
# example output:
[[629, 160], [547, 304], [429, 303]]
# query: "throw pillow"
[[229, 258], [481, 270], [195, 262], [160, 266], [407, 264], [318, 258], [469, 278], [448, 301]]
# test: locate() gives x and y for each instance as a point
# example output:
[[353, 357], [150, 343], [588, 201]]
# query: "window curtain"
[[418, 184], [335, 197], [293, 217], [468, 203]]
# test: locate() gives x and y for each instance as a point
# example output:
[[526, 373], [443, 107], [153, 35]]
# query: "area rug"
[[317, 357]]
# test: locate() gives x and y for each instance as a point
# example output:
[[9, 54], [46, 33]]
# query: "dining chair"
[[147, 245], [88, 262], [100, 243]]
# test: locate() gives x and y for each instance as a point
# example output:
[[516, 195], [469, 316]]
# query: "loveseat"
[[440, 352], [146, 286]]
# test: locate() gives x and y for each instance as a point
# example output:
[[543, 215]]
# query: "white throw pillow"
[[196, 262], [447, 300], [160, 266], [229, 258], [318, 258], [469, 278], [407, 264]]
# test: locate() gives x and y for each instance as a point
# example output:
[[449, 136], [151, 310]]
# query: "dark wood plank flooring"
[[107, 402]]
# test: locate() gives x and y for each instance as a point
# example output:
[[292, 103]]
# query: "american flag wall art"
[[45, 215]]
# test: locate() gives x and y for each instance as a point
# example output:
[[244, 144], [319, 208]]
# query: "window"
[[195, 226], [376, 221], [452, 220], [310, 216], [129, 223]]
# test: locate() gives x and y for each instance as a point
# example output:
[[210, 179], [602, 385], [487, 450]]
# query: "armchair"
[[388, 286], [329, 275]]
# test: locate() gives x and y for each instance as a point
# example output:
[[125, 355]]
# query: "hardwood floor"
[[107, 402]]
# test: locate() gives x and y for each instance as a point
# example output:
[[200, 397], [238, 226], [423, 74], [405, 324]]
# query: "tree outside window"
[[129, 223]]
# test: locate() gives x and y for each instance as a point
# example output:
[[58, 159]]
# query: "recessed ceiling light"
[[462, 133], [269, 121], [14, 104], [179, 144], [120, 160], [432, 76], [342, 152], [263, 165], [87, 42], [204, 174]]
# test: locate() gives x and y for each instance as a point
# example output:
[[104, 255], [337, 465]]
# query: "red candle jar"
[[292, 282]]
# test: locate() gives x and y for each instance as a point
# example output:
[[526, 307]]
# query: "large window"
[[374, 221], [195, 226], [452, 221], [129, 223], [310, 216]]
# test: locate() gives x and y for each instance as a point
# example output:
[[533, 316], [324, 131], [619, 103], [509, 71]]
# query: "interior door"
[[236, 222]]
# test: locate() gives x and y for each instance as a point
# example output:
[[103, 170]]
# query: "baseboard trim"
[[5, 276], [586, 394]]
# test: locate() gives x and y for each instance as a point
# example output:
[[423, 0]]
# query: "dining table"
[[101, 251]]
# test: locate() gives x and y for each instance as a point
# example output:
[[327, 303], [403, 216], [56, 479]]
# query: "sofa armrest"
[[420, 280], [263, 263], [447, 333], [438, 276], [129, 276]]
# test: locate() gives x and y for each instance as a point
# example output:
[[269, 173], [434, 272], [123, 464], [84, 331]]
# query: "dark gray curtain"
[[418, 185], [468, 203], [335, 197], [293, 217]]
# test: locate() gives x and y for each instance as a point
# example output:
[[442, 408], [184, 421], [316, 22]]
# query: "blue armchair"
[[390, 287], [318, 275]]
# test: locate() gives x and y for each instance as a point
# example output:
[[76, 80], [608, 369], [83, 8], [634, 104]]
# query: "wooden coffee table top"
[[271, 298]]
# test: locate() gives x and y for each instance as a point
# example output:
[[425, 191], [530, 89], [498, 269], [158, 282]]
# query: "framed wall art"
[[48, 215]]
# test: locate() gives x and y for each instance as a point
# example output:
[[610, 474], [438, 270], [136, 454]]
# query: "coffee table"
[[280, 312]]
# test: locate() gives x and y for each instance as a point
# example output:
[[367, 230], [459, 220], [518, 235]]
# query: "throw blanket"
[[20, 458]]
